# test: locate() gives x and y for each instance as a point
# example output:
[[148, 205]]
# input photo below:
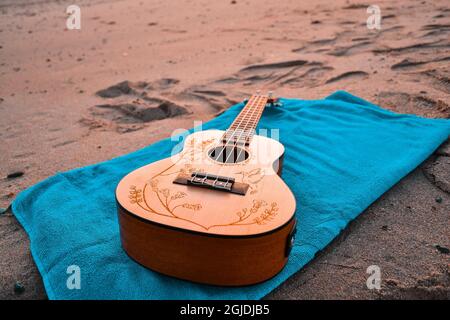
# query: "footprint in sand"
[[437, 29], [438, 79], [129, 106], [437, 172], [348, 75], [404, 103], [298, 73], [410, 63], [209, 98]]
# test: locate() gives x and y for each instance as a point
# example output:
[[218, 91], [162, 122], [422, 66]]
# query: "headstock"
[[272, 101]]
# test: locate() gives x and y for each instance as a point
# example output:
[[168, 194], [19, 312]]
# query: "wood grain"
[[217, 260], [150, 193], [205, 235]]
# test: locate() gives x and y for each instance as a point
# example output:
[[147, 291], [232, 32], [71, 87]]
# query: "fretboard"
[[243, 127]]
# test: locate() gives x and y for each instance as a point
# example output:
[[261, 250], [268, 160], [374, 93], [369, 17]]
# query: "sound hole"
[[228, 154]]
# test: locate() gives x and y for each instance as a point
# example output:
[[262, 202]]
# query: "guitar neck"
[[244, 125]]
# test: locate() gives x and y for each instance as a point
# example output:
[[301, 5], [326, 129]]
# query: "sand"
[[137, 70]]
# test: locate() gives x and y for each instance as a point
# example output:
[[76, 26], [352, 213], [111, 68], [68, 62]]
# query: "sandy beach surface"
[[70, 98]]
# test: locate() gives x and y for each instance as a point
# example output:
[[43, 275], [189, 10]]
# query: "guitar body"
[[232, 237]]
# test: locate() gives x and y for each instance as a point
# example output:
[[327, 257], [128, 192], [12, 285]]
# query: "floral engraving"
[[252, 178], [259, 213]]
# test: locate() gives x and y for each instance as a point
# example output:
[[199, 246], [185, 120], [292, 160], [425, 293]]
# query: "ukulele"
[[217, 212]]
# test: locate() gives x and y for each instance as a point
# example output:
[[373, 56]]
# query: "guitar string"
[[234, 130], [258, 113], [226, 142], [255, 101], [244, 115], [254, 111]]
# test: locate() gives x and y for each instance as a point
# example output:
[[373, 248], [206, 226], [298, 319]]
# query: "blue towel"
[[342, 153]]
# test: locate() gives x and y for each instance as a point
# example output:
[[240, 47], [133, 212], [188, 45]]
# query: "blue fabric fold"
[[342, 153]]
